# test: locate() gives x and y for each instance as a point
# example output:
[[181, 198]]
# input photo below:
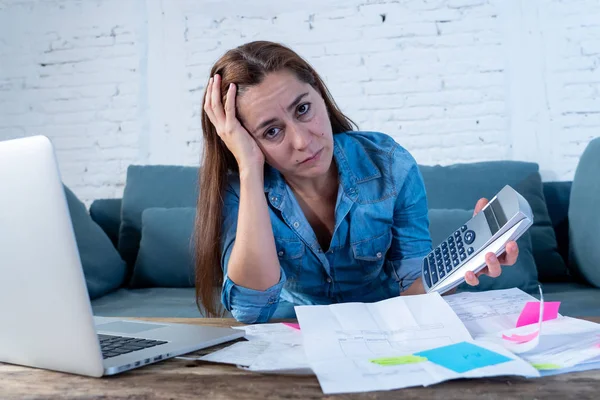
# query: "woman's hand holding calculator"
[[493, 269]]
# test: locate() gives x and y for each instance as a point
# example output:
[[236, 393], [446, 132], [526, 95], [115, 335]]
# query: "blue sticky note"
[[462, 357]]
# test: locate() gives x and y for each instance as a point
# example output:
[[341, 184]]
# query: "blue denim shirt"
[[381, 232]]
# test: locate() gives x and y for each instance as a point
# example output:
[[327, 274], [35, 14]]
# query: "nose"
[[301, 138]]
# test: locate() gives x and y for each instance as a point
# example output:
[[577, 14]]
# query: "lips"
[[314, 156]]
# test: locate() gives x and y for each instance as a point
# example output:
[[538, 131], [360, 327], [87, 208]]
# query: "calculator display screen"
[[495, 216]]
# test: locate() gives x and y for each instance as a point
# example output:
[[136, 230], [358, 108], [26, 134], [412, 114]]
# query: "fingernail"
[[230, 85]]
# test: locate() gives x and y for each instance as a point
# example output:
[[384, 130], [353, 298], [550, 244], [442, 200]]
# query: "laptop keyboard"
[[113, 346]]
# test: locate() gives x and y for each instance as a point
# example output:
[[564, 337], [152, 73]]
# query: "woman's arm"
[[253, 263], [410, 230], [253, 277]]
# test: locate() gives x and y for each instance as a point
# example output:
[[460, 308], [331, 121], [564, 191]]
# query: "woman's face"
[[289, 121]]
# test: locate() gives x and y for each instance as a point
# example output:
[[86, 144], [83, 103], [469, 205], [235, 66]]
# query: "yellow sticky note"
[[546, 366], [398, 360]]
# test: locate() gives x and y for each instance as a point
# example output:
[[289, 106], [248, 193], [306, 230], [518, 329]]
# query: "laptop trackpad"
[[127, 327]]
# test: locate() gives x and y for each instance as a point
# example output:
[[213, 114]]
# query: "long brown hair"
[[244, 66]]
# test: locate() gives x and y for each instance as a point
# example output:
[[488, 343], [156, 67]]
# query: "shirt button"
[[273, 199], [280, 254], [328, 280], [378, 254], [318, 250], [296, 224]]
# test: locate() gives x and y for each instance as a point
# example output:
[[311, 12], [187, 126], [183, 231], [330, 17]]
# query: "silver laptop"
[[46, 318]]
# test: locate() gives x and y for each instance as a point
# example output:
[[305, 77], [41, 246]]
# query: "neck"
[[322, 187]]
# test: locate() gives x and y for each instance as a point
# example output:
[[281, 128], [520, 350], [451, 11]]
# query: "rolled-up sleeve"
[[410, 232], [246, 305]]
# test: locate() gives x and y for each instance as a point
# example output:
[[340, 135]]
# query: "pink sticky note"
[[531, 312], [521, 338], [297, 326]]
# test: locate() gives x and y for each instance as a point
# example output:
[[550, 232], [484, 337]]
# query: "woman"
[[300, 208]]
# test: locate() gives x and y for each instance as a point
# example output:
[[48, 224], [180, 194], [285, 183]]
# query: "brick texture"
[[116, 82]]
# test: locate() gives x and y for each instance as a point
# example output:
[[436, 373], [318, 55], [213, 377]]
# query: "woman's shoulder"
[[380, 146]]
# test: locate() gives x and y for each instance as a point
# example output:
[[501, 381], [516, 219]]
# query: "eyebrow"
[[297, 100]]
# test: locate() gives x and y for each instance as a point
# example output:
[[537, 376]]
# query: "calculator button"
[[451, 240], [463, 228], [457, 234], [469, 237], [444, 245], [455, 262], [448, 266], [470, 250], [426, 272], [459, 240], [434, 277], [463, 256], [442, 273]]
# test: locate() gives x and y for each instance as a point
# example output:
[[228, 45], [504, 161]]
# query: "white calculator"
[[506, 217]]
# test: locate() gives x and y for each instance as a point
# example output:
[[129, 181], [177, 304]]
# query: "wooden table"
[[180, 379]]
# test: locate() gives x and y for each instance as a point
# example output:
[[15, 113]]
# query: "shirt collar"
[[354, 165]]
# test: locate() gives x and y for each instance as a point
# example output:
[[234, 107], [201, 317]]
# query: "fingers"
[[207, 97], [493, 266], [480, 204], [230, 103], [471, 279], [510, 255], [212, 102], [215, 100]]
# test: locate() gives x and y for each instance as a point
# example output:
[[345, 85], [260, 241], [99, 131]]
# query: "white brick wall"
[[116, 82]]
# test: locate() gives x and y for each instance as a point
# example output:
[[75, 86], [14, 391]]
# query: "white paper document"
[[490, 311], [277, 332], [240, 353], [274, 348], [341, 341], [564, 343], [261, 356]]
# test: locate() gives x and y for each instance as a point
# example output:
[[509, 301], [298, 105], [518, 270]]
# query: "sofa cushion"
[[576, 299], [522, 275], [103, 268], [557, 196], [461, 185], [166, 255], [107, 214], [152, 186], [151, 302], [584, 215]]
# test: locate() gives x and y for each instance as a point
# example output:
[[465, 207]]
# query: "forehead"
[[277, 91]]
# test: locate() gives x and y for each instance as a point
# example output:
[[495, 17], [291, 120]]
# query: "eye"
[[303, 109], [271, 133]]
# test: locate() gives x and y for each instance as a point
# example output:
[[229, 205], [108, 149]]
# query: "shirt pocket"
[[370, 253], [290, 253]]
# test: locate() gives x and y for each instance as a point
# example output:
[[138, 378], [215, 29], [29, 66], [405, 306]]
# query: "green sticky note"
[[398, 360], [542, 367]]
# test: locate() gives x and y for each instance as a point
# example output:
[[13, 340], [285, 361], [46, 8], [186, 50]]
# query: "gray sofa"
[[143, 239]]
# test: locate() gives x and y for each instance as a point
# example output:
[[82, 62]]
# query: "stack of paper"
[[397, 343], [564, 344], [420, 340]]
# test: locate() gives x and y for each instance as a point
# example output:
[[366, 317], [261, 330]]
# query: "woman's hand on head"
[[237, 139], [493, 268]]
